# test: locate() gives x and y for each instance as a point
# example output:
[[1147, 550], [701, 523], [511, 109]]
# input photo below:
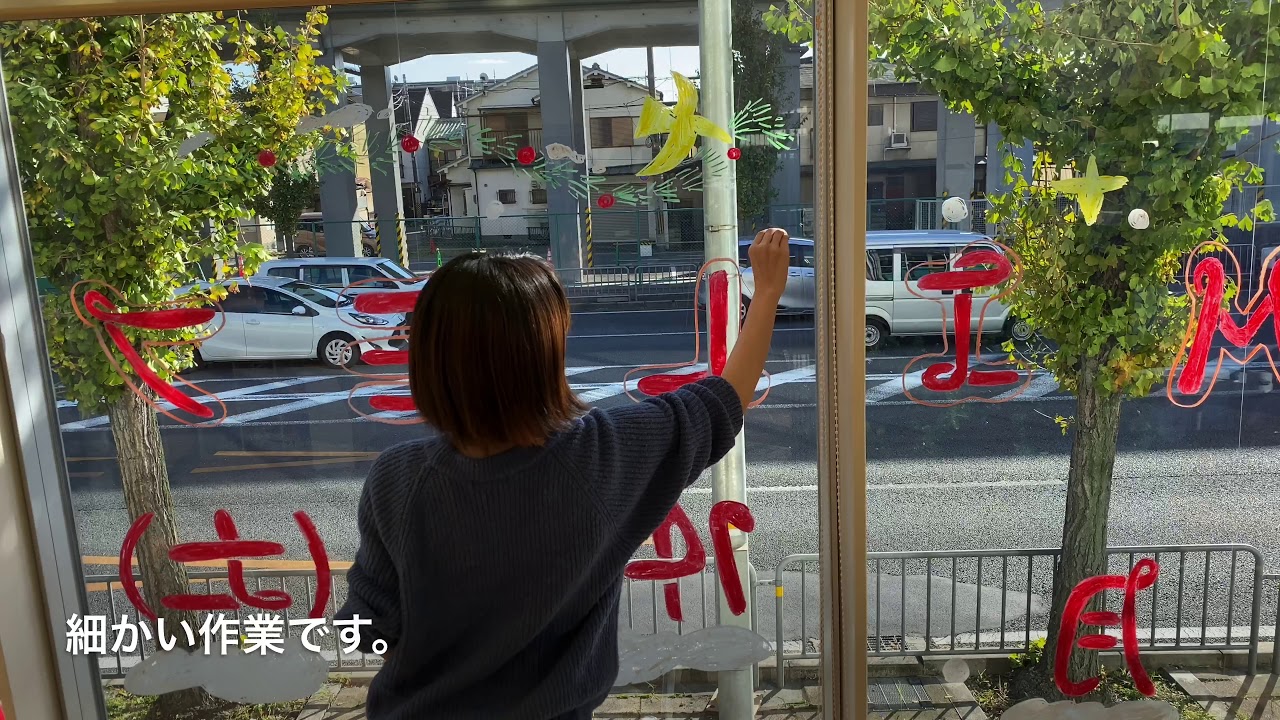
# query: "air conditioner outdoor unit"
[[898, 141], [536, 185]]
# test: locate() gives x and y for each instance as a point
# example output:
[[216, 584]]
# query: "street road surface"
[[968, 477]]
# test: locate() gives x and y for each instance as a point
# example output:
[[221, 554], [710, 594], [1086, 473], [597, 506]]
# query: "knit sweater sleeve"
[[638, 459], [373, 582]]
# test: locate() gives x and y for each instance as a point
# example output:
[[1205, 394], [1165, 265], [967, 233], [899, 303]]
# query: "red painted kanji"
[[954, 372], [717, 342], [231, 548], [393, 400], [102, 308], [1206, 288], [1142, 576], [667, 569]]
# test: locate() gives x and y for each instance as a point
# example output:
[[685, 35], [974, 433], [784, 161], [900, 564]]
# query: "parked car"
[[898, 258], [272, 318], [337, 273], [891, 308], [309, 241]]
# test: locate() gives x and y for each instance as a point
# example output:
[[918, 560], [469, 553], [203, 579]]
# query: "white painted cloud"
[[194, 143], [560, 151], [344, 117], [723, 647], [493, 210], [488, 61], [294, 674], [384, 113], [1038, 709]]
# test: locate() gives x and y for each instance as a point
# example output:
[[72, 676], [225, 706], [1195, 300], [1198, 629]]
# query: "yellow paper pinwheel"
[[683, 123], [1090, 189]]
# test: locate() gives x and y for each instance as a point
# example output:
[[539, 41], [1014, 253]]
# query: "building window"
[[507, 197], [538, 196], [609, 132], [875, 115], [924, 116]]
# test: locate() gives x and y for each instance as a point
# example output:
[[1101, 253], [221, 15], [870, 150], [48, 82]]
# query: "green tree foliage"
[[292, 192], [100, 110], [794, 20], [1156, 92], [757, 62]]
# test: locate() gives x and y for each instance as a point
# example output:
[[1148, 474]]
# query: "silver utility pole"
[[653, 152], [728, 479]]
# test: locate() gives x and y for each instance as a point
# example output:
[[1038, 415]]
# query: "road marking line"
[[1040, 386], [896, 386], [236, 393]]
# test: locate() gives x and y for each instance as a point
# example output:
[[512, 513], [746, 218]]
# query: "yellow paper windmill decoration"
[[1090, 190], [683, 124]]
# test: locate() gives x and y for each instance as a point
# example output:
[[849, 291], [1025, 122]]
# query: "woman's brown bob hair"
[[486, 352]]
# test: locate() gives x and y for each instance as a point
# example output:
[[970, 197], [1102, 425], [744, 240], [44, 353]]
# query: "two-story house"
[[506, 114]]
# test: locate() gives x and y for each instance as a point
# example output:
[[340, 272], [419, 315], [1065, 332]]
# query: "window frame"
[[916, 121]]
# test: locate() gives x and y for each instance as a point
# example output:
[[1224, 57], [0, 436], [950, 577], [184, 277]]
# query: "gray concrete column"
[[384, 156], [957, 136], [582, 141], [786, 177], [555, 88], [995, 160], [338, 185]]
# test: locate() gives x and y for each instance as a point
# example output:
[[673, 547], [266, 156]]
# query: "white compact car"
[[357, 275], [271, 318]]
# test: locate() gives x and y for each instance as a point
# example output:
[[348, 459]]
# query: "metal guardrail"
[[665, 279], [600, 282], [1186, 609], [1032, 577]]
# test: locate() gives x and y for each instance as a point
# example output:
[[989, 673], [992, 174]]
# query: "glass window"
[[277, 303], [287, 415], [607, 132], [801, 255], [364, 275], [323, 275], [924, 116], [318, 295], [392, 269], [919, 263], [875, 115], [880, 264], [245, 299]]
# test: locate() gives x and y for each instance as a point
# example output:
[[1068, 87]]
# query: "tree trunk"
[[145, 478], [1084, 528]]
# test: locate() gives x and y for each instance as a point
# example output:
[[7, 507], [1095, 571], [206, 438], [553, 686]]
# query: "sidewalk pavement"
[[891, 699], [1233, 695]]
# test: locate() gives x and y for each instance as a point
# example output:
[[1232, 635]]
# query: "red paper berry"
[[527, 155], [735, 153], [410, 144], [266, 158], [606, 201]]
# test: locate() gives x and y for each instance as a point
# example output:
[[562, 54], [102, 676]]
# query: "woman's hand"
[[770, 257]]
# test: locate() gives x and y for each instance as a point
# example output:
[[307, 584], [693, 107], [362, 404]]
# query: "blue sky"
[[628, 63]]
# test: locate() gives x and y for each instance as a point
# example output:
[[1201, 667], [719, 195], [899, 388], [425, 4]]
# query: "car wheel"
[[338, 351], [1019, 329], [877, 331], [306, 251], [369, 251], [743, 307]]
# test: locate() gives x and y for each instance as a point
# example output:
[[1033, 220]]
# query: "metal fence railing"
[[970, 602], [674, 279], [977, 602]]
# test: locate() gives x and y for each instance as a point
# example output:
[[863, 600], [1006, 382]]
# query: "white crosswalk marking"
[[238, 393], [1041, 385], [896, 386]]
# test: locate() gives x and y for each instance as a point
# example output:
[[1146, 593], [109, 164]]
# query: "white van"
[[892, 309]]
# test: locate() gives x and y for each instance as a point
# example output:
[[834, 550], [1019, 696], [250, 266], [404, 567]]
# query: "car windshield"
[[318, 295], [396, 271]]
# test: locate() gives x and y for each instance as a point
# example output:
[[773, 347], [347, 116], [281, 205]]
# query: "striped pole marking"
[[404, 244], [590, 256], [377, 238]]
